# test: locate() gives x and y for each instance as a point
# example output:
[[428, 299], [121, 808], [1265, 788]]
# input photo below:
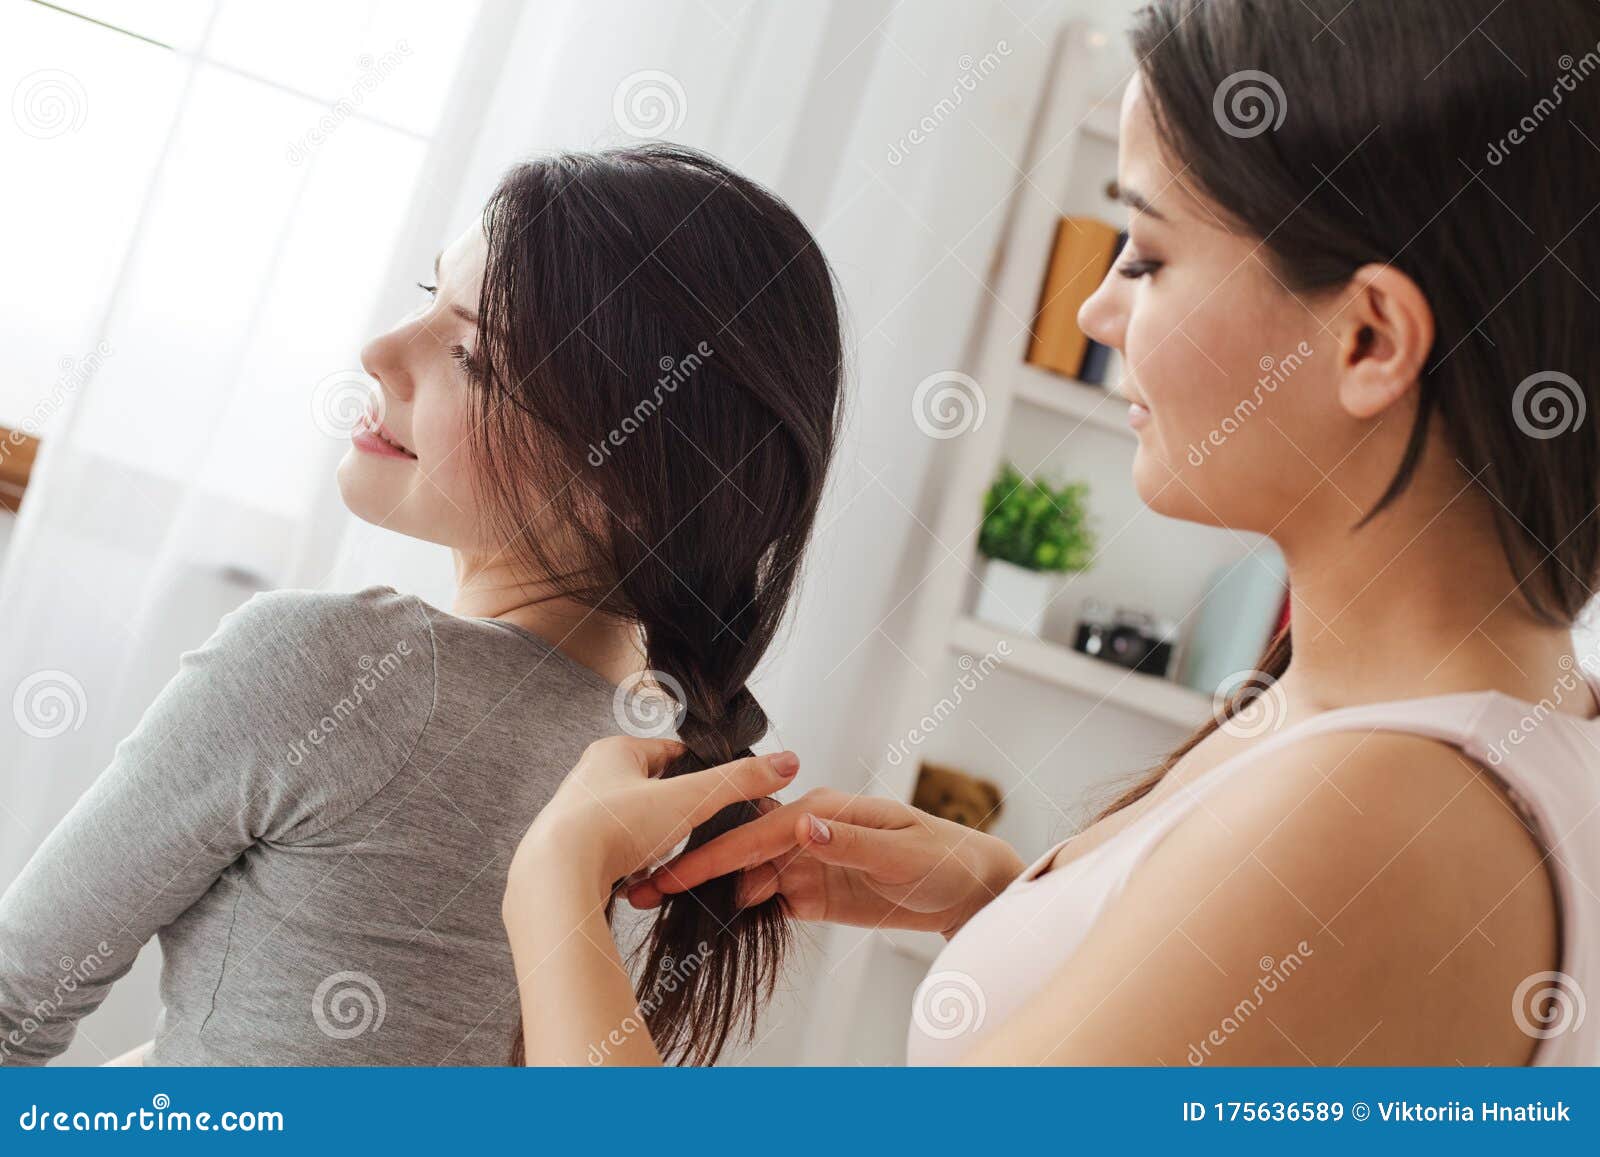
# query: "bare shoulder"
[[1407, 868], [1355, 898]]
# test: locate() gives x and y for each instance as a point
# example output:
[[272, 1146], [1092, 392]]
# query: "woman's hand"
[[612, 817], [849, 859]]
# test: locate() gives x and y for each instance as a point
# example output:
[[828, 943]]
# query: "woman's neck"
[[498, 590], [1420, 602]]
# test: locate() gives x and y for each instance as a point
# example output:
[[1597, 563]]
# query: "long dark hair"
[[1450, 139], [659, 366]]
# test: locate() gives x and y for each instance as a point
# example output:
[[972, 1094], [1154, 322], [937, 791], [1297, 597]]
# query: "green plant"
[[1036, 525]]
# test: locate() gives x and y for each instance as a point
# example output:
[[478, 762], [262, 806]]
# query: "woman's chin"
[[365, 496]]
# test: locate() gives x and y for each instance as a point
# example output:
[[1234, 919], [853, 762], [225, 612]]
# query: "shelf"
[[1105, 682], [1090, 404]]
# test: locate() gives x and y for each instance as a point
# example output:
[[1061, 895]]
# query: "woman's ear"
[[1385, 330]]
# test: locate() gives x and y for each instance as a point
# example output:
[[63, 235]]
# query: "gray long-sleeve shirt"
[[316, 817]]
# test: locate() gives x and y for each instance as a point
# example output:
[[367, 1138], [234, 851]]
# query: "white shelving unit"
[[1060, 665], [1047, 723]]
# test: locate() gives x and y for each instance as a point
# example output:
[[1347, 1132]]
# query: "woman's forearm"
[[578, 1005]]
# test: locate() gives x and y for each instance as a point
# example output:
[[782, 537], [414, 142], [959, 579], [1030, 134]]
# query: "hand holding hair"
[[850, 859], [614, 815]]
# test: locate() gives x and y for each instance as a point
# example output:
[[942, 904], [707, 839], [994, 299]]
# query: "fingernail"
[[786, 763], [819, 831]]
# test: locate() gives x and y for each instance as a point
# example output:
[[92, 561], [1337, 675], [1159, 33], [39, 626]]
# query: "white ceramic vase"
[[1014, 597]]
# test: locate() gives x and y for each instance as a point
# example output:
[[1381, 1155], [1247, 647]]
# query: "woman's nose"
[[385, 358], [1104, 317]]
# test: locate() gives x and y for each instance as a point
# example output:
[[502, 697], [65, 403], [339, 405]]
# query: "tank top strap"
[[1452, 719]]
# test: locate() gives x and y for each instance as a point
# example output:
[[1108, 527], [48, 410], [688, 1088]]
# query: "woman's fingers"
[[702, 794], [873, 850], [756, 842]]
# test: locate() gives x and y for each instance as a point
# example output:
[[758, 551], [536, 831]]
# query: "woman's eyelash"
[[1138, 269], [468, 363], [430, 290]]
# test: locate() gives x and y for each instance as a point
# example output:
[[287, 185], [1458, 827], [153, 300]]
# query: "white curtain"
[[209, 200]]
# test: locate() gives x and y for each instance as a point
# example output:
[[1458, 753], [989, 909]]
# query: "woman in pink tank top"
[[1354, 315]]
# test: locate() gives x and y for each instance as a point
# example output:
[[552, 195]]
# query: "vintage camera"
[[1129, 638]]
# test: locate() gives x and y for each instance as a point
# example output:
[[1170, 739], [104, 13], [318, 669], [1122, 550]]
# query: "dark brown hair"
[[1447, 139], [659, 368]]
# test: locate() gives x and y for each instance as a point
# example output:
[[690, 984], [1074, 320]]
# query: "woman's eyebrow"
[[460, 311], [1138, 202]]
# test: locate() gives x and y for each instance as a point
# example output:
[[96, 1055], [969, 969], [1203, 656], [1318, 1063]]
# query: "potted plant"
[[1033, 532]]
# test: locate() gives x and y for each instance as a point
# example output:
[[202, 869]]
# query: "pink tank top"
[[1547, 760]]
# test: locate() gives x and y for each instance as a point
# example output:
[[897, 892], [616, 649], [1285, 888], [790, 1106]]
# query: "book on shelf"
[[1082, 253]]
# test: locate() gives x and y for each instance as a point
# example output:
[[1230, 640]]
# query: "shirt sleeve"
[[294, 713]]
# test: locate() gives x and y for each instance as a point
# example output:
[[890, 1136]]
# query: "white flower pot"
[[1014, 597]]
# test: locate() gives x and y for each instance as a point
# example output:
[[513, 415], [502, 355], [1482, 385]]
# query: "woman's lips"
[[1138, 412], [374, 438]]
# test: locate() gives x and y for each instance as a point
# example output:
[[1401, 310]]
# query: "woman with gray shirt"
[[318, 813]]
